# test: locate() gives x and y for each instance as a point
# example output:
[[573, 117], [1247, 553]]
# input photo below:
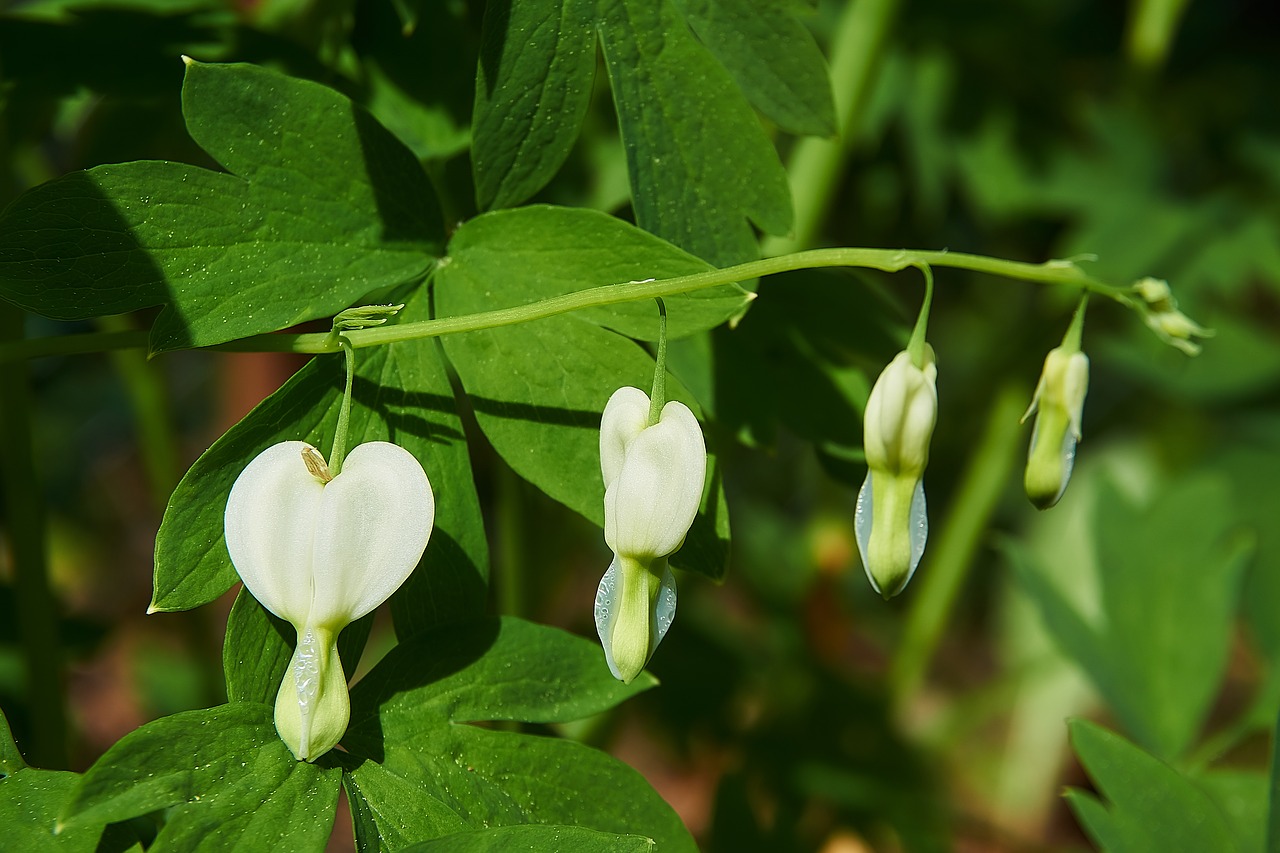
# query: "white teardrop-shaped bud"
[[1059, 405], [653, 478], [320, 551], [890, 521]]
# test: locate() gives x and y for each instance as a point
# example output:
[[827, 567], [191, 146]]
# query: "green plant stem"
[[339, 452], [816, 165], [981, 485], [917, 343], [658, 398], [1059, 272], [34, 602]]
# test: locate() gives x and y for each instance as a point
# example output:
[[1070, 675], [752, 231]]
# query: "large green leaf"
[[224, 778], [538, 390], [1169, 576], [401, 394], [1150, 806], [319, 206], [676, 106], [535, 839], [517, 256], [771, 56], [424, 775]]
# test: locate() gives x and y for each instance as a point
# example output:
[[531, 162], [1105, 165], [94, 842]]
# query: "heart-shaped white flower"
[[320, 553]]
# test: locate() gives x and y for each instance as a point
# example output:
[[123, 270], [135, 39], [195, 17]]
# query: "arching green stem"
[[917, 343], [344, 412], [658, 398], [1071, 340]]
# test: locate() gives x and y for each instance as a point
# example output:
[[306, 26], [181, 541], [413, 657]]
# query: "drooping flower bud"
[[320, 551], [653, 480], [1163, 317], [890, 522], [1058, 404]]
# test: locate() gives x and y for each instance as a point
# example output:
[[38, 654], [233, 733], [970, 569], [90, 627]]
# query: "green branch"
[[1062, 272]]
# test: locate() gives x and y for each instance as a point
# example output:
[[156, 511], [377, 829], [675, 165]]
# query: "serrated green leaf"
[[517, 256], [1158, 649], [1242, 797], [320, 206], [772, 58], [422, 766], [533, 85], [401, 394], [1150, 805], [538, 390], [224, 777], [535, 839]]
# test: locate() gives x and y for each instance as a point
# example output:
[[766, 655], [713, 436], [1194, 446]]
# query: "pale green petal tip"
[[313, 706], [634, 608], [891, 524]]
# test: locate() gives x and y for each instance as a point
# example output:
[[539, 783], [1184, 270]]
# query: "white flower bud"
[[1058, 403], [891, 522], [653, 479], [320, 551]]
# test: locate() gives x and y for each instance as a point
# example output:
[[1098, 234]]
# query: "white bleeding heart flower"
[[1059, 405], [320, 551], [653, 479], [891, 522]]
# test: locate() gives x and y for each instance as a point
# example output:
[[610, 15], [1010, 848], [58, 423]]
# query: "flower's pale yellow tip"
[[188, 61]]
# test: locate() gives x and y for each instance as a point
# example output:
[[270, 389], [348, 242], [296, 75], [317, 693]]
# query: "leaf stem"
[[658, 398], [1060, 272], [917, 343], [344, 412]]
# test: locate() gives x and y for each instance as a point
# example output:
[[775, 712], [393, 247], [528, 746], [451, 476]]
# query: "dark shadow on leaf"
[[447, 588], [380, 399], [418, 662], [406, 202]]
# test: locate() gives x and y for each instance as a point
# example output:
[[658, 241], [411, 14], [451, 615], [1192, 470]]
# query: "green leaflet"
[[676, 106], [535, 839], [424, 775], [538, 388], [320, 205], [1158, 648], [772, 58], [402, 395], [1150, 806], [224, 777]]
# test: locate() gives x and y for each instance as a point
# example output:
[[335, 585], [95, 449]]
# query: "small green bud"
[[1058, 404]]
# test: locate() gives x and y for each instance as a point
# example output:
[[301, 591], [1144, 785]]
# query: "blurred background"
[[798, 711]]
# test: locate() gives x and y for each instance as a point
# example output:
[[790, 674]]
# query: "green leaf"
[[513, 257], [676, 106], [677, 109], [1170, 576], [1242, 797], [538, 390], [401, 394], [425, 775], [30, 801], [533, 85], [1150, 806], [224, 777], [320, 205], [772, 58], [535, 839]]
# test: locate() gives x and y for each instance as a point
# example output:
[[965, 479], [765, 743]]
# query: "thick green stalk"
[[36, 607], [816, 166], [949, 560], [1060, 272]]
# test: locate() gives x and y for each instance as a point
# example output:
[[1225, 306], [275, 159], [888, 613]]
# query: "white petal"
[[625, 416], [270, 526], [653, 501], [372, 526]]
